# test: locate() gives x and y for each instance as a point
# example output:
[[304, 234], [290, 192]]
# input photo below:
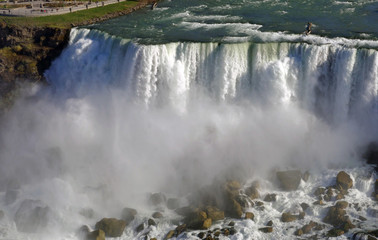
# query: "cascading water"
[[332, 81], [180, 100]]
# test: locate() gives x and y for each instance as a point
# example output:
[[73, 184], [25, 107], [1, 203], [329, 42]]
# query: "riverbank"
[[28, 45]]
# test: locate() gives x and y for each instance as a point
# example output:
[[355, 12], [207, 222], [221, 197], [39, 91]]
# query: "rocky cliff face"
[[26, 52]]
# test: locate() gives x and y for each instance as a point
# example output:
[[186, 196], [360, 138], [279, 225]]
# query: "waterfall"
[[330, 80]]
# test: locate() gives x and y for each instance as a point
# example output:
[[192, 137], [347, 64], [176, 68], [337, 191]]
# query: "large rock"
[[214, 213], [343, 181], [111, 226], [270, 197], [289, 180], [337, 217], [308, 227], [231, 206], [197, 220], [32, 216], [288, 217]]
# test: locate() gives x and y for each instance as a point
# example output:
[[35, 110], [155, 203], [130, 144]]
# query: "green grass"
[[65, 20]]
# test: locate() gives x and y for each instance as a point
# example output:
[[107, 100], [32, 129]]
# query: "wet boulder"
[[96, 235], [249, 215], [308, 227], [231, 201], [335, 232], [319, 191], [180, 229], [111, 226], [83, 232], [266, 229], [214, 213], [32, 216], [157, 215], [139, 228], [169, 235], [288, 217], [128, 214], [304, 206], [151, 222], [270, 197], [252, 192], [197, 220], [289, 180], [337, 216], [343, 181]]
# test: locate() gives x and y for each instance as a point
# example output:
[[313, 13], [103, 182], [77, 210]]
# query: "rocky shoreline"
[[232, 200], [26, 52], [219, 209], [229, 202]]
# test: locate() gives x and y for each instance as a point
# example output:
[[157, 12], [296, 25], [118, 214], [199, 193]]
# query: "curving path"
[[37, 11]]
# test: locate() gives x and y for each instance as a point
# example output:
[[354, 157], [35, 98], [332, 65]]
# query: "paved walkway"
[[37, 11]]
